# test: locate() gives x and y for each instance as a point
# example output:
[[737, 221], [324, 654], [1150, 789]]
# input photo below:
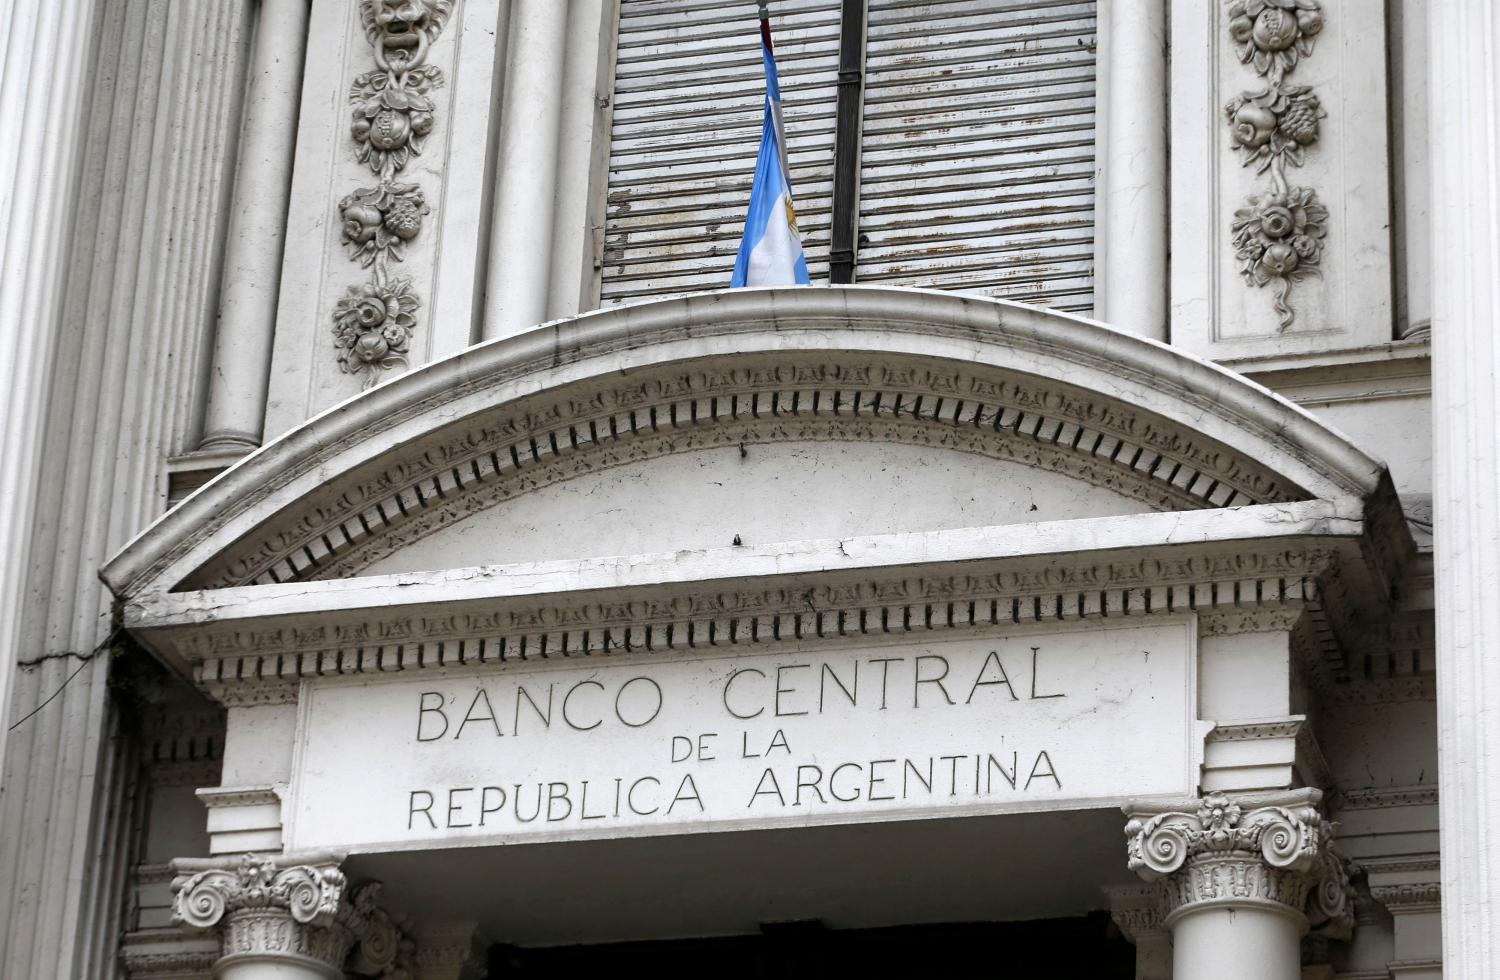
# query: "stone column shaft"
[[1465, 133], [236, 412], [520, 257], [43, 78], [1131, 290]]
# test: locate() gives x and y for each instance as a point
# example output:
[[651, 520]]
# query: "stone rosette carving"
[[1278, 238], [393, 115], [373, 325], [1278, 235], [1278, 855]]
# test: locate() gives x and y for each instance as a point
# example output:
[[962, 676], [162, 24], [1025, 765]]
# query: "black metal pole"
[[844, 234]]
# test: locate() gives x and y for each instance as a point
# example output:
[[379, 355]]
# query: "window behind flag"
[[977, 149], [688, 101]]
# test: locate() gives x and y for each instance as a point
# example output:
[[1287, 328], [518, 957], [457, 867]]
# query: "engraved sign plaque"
[[904, 727]]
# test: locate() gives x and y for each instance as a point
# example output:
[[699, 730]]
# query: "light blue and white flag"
[[771, 251]]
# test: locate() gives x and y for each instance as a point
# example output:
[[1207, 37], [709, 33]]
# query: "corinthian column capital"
[[297, 911], [1273, 852]]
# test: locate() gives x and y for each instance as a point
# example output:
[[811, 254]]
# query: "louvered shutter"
[[977, 163], [687, 116]]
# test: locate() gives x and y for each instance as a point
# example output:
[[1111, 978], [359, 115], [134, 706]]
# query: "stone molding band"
[[290, 909], [1272, 852]]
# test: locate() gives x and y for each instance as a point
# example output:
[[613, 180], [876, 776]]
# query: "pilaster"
[[1411, 890], [1280, 177], [397, 102], [1465, 117]]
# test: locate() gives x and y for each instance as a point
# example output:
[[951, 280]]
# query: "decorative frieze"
[[1278, 235], [246, 665], [1410, 897], [393, 115], [1273, 852]]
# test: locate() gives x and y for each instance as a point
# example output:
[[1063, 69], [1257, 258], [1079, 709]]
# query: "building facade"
[[417, 565]]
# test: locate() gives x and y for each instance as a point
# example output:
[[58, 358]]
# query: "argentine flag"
[[771, 251]]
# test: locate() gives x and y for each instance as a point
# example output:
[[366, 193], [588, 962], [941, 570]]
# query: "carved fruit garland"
[[1278, 235], [374, 321]]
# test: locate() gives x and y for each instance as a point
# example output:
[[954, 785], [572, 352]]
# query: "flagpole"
[[765, 22]]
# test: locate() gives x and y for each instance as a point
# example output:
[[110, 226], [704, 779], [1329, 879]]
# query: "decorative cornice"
[[250, 692], [154, 874], [1401, 865], [218, 796], [553, 437], [166, 954], [203, 772], [1272, 852], [232, 662], [1374, 799], [1255, 619], [1251, 730], [1409, 898], [1118, 380]]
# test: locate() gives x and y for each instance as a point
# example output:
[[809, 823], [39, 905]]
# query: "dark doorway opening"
[[1086, 948]]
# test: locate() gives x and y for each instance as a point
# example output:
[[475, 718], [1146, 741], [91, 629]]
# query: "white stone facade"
[[407, 564]]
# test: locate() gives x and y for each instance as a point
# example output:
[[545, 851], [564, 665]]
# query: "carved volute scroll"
[[301, 913], [394, 113], [1278, 235], [1277, 855]]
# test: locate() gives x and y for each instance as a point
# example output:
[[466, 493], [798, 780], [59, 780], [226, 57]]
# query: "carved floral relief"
[[1271, 35], [1277, 235], [393, 115]]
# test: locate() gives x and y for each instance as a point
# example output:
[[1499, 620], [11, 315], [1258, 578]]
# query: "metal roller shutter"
[[687, 117], [977, 162]]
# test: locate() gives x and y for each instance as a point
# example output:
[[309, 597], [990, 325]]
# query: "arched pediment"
[[1122, 424]]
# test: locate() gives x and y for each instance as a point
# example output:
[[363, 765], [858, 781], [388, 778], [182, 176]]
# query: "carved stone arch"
[[968, 375]]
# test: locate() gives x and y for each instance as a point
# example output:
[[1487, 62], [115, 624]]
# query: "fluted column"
[[1131, 265], [1465, 133], [43, 75], [236, 412], [516, 288], [286, 918], [1240, 881]]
